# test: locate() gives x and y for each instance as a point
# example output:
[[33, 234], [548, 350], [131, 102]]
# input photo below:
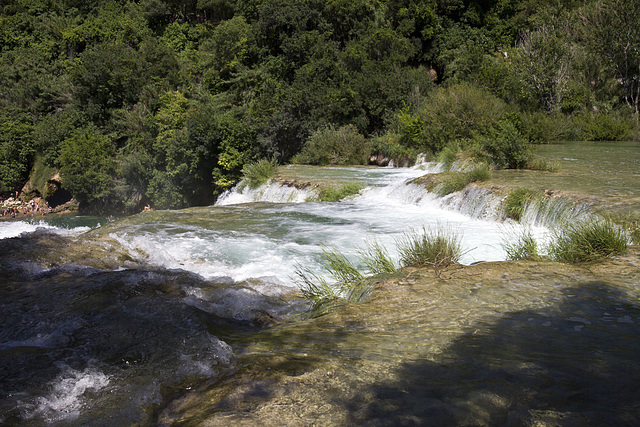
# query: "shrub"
[[452, 182], [605, 127], [330, 146], [457, 112], [257, 173], [514, 204], [448, 156], [479, 172], [332, 194], [432, 248], [587, 240], [543, 128], [388, 146], [504, 146]]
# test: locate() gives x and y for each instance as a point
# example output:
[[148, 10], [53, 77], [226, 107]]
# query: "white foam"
[[65, 402], [10, 229]]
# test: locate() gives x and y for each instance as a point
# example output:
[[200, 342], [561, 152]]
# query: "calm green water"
[[606, 169]]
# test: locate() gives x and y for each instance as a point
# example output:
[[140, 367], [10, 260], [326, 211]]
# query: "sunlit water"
[[106, 322]]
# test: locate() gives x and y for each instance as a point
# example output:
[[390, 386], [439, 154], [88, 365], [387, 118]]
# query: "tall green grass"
[[439, 248], [521, 246], [336, 194], [587, 240], [376, 257], [514, 204], [456, 181]]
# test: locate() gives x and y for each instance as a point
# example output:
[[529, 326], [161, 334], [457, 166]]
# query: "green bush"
[[448, 156], [333, 194], [457, 112], [605, 127], [432, 248], [330, 146], [389, 146], [543, 128], [504, 146], [257, 173], [541, 164], [587, 240], [479, 172], [513, 205], [88, 167]]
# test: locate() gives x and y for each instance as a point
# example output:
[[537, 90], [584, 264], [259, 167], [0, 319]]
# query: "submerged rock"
[[497, 343]]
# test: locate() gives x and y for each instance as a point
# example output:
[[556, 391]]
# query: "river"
[[168, 316]]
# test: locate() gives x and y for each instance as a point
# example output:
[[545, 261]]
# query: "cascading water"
[[103, 325]]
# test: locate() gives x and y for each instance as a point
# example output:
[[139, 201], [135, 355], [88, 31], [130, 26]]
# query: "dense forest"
[[163, 102]]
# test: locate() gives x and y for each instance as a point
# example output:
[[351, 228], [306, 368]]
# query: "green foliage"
[[438, 248], [541, 164], [330, 146], [504, 146], [544, 128], [605, 127], [457, 112], [349, 285], [514, 204], [448, 156], [521, 246], [333, 194], [16, 151], [88, 167], [587, 240], [388, 146], [456, 181], [376, 257], [257, 173]]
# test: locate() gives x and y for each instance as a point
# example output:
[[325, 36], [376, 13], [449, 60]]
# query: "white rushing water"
[[269, 232], [10, 229]]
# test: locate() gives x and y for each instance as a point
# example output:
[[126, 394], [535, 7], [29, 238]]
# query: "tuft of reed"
[[376, 257], [514, 204], [333, 194], [456, 181], [258, 173], [479, 172], [521, 247], [587, 240], [438, 248], [349, 285], [542, 164]]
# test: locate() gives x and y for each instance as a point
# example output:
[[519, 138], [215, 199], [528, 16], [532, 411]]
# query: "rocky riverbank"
[[16, 208]]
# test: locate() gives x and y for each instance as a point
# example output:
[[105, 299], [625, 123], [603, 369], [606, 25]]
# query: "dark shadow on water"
[[576, 362]]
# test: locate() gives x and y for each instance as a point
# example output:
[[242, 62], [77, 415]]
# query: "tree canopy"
[[162, 102]]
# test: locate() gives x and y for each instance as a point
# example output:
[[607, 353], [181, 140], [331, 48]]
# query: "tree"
[[88, 168], [613, 30]]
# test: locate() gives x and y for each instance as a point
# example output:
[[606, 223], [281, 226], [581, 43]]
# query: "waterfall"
[[271, 192], [549, 212], [474, 201]]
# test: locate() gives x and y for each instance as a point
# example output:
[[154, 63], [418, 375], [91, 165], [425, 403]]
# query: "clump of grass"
[[630, 221], [438, 249], [521, 247], [376, 257], [448, 156], [479, 172], [453, 182], [258, 173], [516, 201], [349, 285], [333, 194], [587, 240], [542, 164], [456, 181]]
